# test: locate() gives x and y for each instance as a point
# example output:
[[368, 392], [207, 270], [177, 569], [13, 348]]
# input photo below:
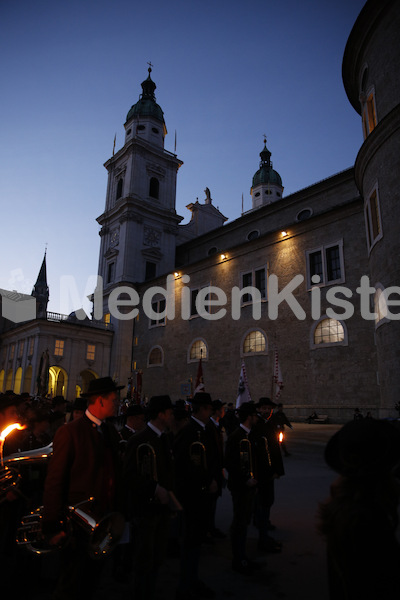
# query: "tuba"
[[246, 460], [10, 476], [102, 536]]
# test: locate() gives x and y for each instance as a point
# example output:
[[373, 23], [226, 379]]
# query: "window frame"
[[158, 322], [264, 352], [196, 359], [59, 345], [160, 364], [246, 299], [90, 354], [193, 309], [315, 346], [324, 279], [368, 217]]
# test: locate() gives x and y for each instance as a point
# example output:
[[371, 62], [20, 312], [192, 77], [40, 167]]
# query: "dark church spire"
[[41, 290]]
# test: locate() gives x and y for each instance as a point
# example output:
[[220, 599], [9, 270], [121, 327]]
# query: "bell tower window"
[[119, 188], [154, 188]]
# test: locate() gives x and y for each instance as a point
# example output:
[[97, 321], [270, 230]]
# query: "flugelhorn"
[[246, 460], [102, 535]]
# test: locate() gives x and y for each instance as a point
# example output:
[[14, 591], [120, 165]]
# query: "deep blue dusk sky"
[[226, 73]]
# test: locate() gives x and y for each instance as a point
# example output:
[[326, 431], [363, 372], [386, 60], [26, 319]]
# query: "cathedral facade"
[[307, 280]]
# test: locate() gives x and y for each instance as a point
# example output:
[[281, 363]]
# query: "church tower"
[[139, 226], [40, 291], [267, 183]]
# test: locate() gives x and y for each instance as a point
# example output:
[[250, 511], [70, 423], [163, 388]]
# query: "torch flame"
[[9, 429], [280, 437]]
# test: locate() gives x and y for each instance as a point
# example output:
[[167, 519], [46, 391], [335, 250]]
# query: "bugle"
[[10, 476], [246, 459]]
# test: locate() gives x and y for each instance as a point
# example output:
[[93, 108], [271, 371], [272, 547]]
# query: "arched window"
[[154, 188], [198, 350], [18, 381], [155, 357], [380, 305], [119, 188], [254, 342], [329, 332]]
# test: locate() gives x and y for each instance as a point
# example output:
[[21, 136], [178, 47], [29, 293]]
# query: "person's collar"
[[130, 428], [203, 425], [247, 430], [214, 421], [154, 428], [92, 418]]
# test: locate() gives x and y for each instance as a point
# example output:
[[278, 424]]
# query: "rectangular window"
[[21, 349], [373, 218], [12, 351], [194, 292], [110, 272], [256, 278], [31, 346], [90, 352], [107, 319], [59, 348], [158, 307], [326, 263], [150, 270]]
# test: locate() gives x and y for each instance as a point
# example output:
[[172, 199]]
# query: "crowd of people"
[[162, 466]]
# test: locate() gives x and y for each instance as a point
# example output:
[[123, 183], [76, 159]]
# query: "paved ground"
[[299, 572]]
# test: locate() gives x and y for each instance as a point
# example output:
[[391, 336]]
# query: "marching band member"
[[84, 464], [148, 474], [242, 482], [196, 474]]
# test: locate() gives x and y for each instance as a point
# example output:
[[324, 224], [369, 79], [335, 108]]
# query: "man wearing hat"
[[85, 464], [241, 467], [135, 421], [216, 430], [196, 473], [149, 480], [270, 467]]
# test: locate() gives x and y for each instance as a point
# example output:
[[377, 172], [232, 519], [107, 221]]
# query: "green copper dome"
[[266, 174], [147, 105]]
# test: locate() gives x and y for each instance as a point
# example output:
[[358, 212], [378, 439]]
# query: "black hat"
[[134, 410], [266, 402], [217, 404], [246, 409], [7, 400], [364, 447], [79, 404], [101, 386], [158, 404], [59, 400], [202, 399]]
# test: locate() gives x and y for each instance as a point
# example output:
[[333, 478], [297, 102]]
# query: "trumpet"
[[10, 476], [246, 460], [267, 450], [102, 536], [197, 452]]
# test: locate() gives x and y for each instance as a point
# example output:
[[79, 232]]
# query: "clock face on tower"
[[151, 237], [114, 238]]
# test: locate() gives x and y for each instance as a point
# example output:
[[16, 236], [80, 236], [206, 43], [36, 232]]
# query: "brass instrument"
[[146, 462], [246, 460], [197, 453], [10, 476], [103, 535], [267, 450]]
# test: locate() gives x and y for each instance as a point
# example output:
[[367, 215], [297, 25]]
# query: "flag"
[[199, 387], [277, 377], [243, 388]]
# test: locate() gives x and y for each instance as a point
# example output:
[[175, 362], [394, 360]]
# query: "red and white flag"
[[278, 381], [199, 387], [243, 388]]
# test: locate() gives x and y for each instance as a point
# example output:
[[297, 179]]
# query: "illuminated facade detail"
[[198, 349], [254, 342], [329, 331]]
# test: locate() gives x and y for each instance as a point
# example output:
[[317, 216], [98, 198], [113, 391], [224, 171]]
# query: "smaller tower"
[[267, 183], [41, 291]]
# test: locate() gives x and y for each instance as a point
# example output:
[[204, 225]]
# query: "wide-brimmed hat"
[[247, 409], [159, 404], [364, 447], [101, 386], [202, 399], [79, 404], [7, 400], [134, 410], [266, 402], [217, 404]]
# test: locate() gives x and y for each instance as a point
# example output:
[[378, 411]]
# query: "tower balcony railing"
[[60, 318]]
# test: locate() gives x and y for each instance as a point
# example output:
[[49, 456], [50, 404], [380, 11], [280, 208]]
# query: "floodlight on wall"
[[284, 233], [176, 274], [223, 257]]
